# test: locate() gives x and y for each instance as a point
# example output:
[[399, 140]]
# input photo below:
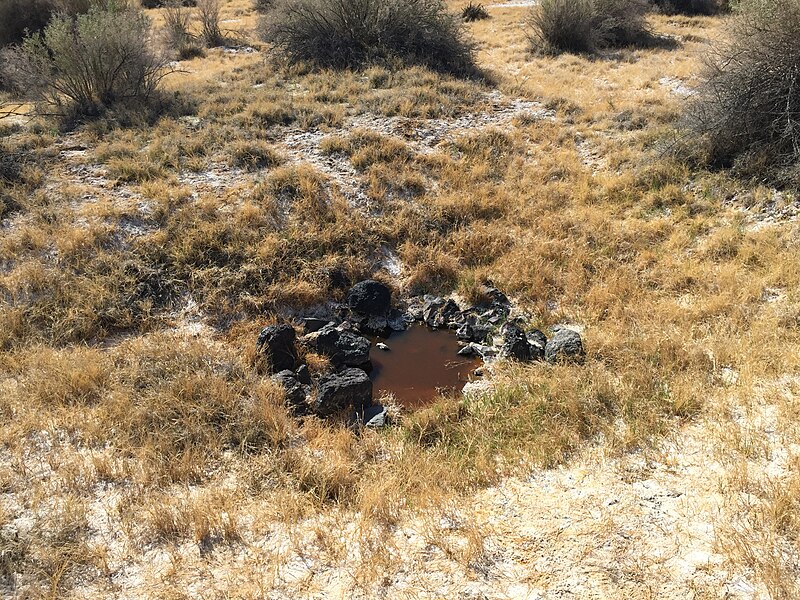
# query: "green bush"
[[353, 33], [747, 112], [587, 25], [89, 62]]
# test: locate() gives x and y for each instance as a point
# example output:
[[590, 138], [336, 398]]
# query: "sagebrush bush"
[[587, 25], [210, 32], [562, 25], [748, 110], [161, 3], [91, 61], [353, 33], [177, 31], [691, 7], [19, 16]]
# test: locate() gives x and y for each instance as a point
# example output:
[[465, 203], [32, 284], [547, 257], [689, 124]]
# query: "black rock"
[[473, 349], [431, 308], [396, 320], [303, 376], [312, 324], [277, 343], [494, 296], [515, 343], [538, 341], [481, 333], [449, 312], [415, 311], [380, 326], [473, 333], [465, 332], [344, 348], [537, 338], [565, 345], [495, 315], [468, 350], [374, 416], [438, 312], [370, 297], [351, 387], [295, 391]]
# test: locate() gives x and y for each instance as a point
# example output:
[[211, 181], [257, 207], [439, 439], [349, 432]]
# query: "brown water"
[[420, 363]]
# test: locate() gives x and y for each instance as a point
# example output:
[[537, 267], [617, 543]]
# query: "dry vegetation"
[[144, 453]]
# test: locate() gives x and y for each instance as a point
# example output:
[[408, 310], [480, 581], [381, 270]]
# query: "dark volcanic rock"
[[449, 313], [564, 345], [431, 308], [303, 376], [345, 348], [473, 349], [351, 387], [312, 324], [370, 298], [397, 320], [277, 343], [515, 343], [481, 333], [538, 342], [465, 332], [473, 333], [381, 326], [295, 391], [438, 312], [494, 296], [374, 416], [416, 308]]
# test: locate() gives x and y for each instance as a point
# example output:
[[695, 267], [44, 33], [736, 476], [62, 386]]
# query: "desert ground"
[[146, 453]]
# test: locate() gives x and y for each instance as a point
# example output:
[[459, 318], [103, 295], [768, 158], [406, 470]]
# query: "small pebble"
[[382, 346]]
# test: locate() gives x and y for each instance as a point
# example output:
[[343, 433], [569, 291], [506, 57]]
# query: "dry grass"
[[138, 428]]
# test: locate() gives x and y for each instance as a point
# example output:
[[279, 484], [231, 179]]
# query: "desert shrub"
[[474, 12], [562, 25], [352, 33], [163, 3], [177, 22], [691, 7], [91, 61], [19, 16], [748, 110], [621, 23], [263, 6], [177, 33], [210, 32], [587, 25]]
